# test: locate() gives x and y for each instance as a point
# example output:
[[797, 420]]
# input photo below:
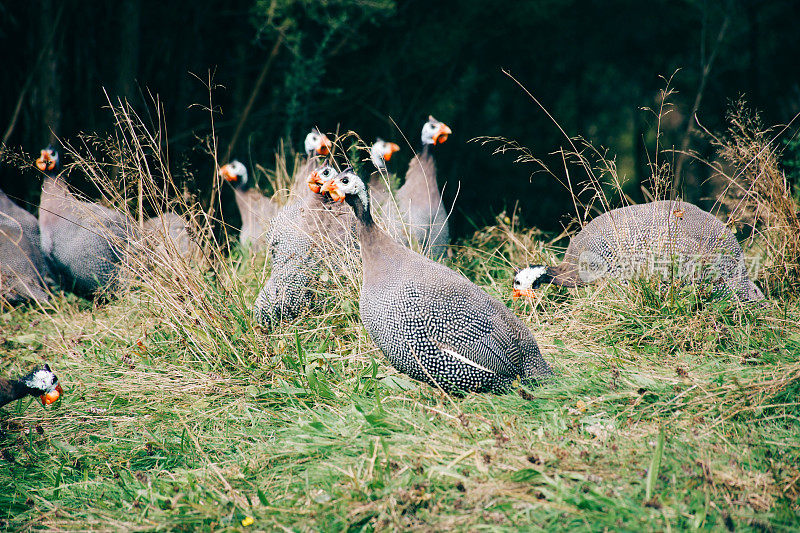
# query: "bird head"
[[48, 160], [319, 176], [317, 143], [435, 132], [346, 184], [234, 173], [43, 383], [528, 279], [381, 152]]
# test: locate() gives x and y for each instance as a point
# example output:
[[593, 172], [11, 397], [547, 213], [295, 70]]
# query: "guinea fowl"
[[22, 267], [432, 323], [27, 222], [168, 234], [657, 236], [423, 216], [256, 209], [317, 146], [379, 184], [303, 235], [82, 241], [39, 382]]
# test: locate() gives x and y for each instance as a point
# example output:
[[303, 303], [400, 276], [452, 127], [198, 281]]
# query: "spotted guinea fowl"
[[168, 234], [657, 237], [83, 242], [317, 146], [303, 235], [39, 382], [379, 183], [255, 209], [21, 272], [432, 323], [27, 222], [418, 215], [22, 266]]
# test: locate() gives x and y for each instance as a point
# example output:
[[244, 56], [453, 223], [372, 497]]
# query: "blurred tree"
[[277, 67]]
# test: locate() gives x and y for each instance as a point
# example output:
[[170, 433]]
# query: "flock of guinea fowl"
[[431, 322]]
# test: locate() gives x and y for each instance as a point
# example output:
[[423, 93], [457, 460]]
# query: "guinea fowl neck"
[[54, 183], [12, 389], [361, 210]]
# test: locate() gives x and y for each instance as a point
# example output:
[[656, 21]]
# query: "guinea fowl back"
[[21, 255], [257, 211], [660, 235], [28, 222], [21, 265], [169, 233], [427, 309], [84, 242], [304, 235], [420, 207]]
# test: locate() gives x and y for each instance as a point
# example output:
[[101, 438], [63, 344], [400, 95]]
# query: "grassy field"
[[665, 413]]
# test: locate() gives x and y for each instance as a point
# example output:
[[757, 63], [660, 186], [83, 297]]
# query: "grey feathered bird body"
[[168, 233], [82, 241], [304, 234], [437, 326], [659, 237], [22, 265], [28, 222], [257, 211], [420, 207]]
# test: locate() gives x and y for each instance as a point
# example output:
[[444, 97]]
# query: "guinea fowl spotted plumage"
[[22, 267], [419, 214], [168, 234], [255, 209], [317, 146], [379, 183], [83, 242], [303, 235], [40, 382], [432, 323], [653, 238]]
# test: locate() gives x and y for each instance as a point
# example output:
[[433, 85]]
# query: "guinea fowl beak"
[[45, 161], [324, 145], [441, 134], [331, 188], [528, 293], [226, 174], [52, 396], [390, 149], [314, 182]]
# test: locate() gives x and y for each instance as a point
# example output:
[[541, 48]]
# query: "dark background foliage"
[[368, 64]]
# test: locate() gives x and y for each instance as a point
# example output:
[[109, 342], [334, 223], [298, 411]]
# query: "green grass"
[[665, 414]]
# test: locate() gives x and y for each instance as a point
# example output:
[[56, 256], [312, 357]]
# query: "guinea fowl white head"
[[40, 382], [317, 143], [317, 178], [48, 160], [530, 278], [234, 173], [346, 185], [381, 152], [435, 132]]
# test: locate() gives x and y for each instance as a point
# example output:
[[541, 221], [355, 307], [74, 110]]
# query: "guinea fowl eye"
[[345, 180]]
